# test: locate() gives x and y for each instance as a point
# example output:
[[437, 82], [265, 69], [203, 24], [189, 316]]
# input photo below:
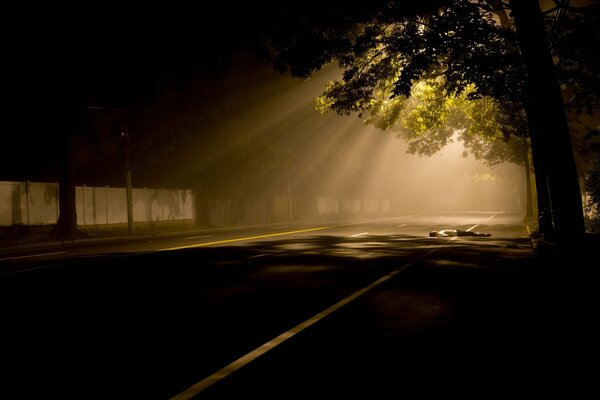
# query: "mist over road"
[[417, 224]]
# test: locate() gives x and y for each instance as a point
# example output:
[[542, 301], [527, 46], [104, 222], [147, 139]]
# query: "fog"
[[262, 134]]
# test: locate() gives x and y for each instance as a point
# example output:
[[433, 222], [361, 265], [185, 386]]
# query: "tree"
[[575, 39], [388, 49], [549, 126]]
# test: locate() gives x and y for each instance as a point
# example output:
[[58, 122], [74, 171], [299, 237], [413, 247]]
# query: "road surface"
[[414, 225], [357, 309]]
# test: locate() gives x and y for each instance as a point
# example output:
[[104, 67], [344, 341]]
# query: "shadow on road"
[[472, 317]]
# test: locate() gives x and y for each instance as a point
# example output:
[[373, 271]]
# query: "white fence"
[[36, 203], [333, 206]]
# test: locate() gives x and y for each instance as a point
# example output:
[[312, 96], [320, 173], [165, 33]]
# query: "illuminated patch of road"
[[269, 235], [242, 239], [33, 255], [295, 247], [360, 234], [253, 355]]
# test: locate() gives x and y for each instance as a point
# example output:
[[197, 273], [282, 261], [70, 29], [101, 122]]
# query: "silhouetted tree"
[[388, 47]]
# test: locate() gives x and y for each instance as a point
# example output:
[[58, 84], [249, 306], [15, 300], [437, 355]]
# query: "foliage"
[[575, 44], [428, 76], [388, 53], [592, 184], [591, 181], [459, 51], [430, 119]]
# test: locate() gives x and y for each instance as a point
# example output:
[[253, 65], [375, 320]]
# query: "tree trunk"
[[66, 226], [529, 201], [544, 217], [128, 187], [546, 113]]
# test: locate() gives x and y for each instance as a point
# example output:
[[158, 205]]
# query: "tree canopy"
[[476, 50], [415, 70]]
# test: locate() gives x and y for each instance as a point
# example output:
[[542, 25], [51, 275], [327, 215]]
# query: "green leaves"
[[431, 76]]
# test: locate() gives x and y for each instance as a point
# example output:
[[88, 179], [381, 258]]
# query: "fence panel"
[[280, 206], [101, 205], [351, 206], [43, 203], [138, 197], [37, 203], [185, 199], [371, 205], [328, 205], [10, 210], [117, 206], [28, 203]]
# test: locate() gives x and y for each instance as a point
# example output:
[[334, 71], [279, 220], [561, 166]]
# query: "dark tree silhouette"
[[549, 126], [389, 47]]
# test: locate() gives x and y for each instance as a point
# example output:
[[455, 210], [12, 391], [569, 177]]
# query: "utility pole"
[[125, 135]]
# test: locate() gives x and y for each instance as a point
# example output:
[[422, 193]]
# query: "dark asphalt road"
[[357, 310]]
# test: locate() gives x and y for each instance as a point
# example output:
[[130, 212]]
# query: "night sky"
[[102, 56]]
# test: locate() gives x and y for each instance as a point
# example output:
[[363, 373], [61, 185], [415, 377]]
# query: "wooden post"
[[83, 200], [27, 200]]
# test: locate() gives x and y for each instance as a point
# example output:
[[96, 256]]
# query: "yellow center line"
[[191, 246], [210, 380]]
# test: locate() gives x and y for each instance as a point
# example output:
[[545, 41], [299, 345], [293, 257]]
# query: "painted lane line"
[[198, 237], [191, 246], [282, 233], [267, 254], [473, 227], [476, 225], [246, 359], [253, 355], [487, 219], [260, 255], [360, 234], [33, 255]]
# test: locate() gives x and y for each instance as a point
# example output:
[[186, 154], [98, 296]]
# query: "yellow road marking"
[[254, 354], [279, 234], [191, 246]]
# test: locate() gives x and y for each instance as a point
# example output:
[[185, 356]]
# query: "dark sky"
[[101, 54]]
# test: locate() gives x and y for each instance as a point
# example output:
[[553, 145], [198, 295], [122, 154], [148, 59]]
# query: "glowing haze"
[[340, 156]]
